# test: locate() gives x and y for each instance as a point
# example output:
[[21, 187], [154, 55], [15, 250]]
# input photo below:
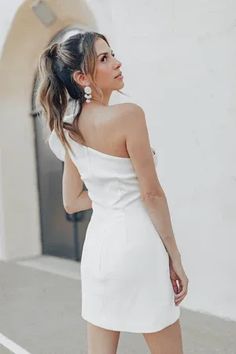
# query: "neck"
[[97, 100]]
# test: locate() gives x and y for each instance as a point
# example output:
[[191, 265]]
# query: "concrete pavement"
[[40, 305]]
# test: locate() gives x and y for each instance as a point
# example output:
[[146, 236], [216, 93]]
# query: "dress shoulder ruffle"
[[55, 143]]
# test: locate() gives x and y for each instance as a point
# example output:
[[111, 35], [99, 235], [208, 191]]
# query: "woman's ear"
[[80, 78]]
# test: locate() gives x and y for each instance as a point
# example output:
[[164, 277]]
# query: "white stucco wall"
[[178, 65], [6, 16]]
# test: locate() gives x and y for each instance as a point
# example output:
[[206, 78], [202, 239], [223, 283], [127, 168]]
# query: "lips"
[[118, 75]]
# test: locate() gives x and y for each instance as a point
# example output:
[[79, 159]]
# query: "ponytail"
[[52, 93]]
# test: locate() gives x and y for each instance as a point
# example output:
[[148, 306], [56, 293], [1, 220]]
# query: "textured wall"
[[179, 64]]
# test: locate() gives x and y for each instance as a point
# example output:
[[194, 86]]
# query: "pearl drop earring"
[[87, 94]]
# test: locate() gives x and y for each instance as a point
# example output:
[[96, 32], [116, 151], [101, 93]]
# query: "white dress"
[[125, 278]]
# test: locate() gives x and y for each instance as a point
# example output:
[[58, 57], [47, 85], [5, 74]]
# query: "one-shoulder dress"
[[125, 278]]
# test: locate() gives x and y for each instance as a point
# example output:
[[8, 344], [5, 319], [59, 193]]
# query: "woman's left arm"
[[75, 199]]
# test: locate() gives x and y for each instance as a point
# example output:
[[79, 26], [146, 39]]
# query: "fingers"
[[182, 291], [179, 284], [175, 286]]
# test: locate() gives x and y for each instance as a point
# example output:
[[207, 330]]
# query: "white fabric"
[[56, 146], [125, 280], [54, 142]]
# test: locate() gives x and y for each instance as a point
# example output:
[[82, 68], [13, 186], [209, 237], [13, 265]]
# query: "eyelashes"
[[105, 56]]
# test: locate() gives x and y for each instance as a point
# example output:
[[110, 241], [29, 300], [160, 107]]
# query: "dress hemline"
[[103, 325]]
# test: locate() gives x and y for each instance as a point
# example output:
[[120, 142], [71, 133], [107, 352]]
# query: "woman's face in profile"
[[107, 67]]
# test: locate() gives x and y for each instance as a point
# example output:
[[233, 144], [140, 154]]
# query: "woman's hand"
[[179, 280]]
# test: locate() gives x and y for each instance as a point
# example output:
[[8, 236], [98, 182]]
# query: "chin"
[[118, 87], [121, 84]]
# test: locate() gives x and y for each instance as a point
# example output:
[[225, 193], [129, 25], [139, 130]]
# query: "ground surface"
[[40, 305]]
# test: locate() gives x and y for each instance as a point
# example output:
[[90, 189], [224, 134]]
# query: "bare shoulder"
[[129, 115], [127, 109], [132, 122]]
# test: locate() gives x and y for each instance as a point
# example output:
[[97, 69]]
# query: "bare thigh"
[[101, 340], [166, 341]]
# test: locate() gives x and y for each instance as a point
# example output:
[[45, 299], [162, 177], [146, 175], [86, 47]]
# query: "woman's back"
[[103, 128], [110, 178]]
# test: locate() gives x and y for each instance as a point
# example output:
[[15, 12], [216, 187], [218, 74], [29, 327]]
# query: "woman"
[[132, 278]]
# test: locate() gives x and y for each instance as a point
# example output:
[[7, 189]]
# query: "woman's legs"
[[165, 341], [101, 340]]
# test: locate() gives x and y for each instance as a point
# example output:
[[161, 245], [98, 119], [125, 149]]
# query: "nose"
[[118, 63]]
